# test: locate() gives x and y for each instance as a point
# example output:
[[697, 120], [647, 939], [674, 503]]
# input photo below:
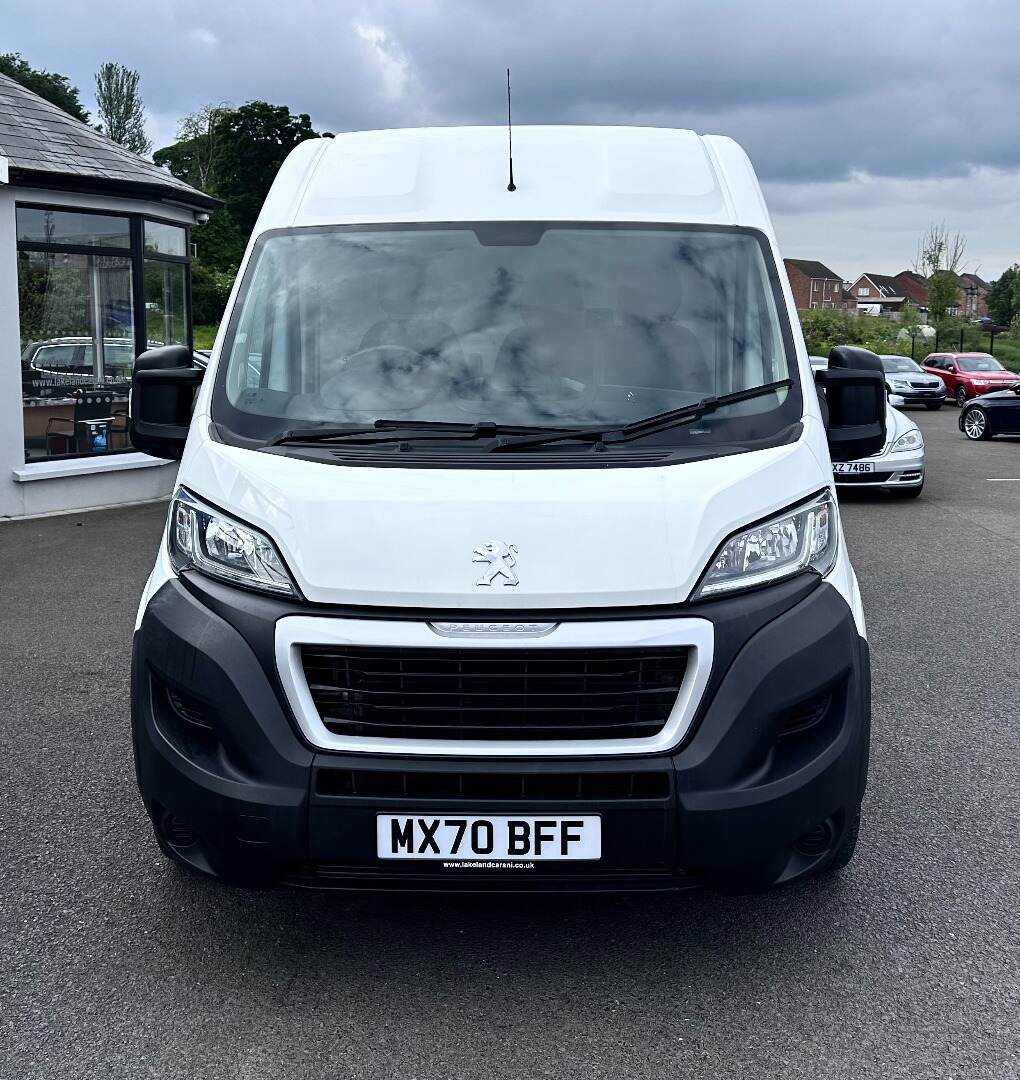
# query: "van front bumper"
[[769, 775]]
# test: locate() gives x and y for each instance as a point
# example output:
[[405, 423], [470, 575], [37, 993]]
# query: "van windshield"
[[520, 325]]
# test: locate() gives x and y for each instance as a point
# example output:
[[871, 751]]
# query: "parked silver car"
[[898, 467], [906, 379]]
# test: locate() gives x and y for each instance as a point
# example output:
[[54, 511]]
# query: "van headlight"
[[207, 540], [909, 440], [803, 538]]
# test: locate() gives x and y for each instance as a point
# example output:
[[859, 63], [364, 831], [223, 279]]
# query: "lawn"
[[205, 336]]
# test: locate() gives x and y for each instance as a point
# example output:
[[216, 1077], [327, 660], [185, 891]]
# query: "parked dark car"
[[997, 413], [905, 378]]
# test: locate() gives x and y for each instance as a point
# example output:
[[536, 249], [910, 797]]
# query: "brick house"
[[915, 288], [971, 293], [879, 294], [973, 296], [814, 285]]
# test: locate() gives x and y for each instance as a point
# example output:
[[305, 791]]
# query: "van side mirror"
[[163, 388], [855, 395]]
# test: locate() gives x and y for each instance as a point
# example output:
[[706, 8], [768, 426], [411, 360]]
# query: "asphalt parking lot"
[[112, 964]]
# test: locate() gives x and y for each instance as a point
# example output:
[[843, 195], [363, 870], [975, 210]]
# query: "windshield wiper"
[[646, 425], [386, 430]]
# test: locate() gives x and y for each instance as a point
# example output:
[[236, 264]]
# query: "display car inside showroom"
[[95, 249]]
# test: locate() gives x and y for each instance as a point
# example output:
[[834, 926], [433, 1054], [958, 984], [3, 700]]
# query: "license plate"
[[853, 467], [537, 839]]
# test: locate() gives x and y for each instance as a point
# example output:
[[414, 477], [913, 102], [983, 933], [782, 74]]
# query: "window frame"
[[135, 251], [138, 257]]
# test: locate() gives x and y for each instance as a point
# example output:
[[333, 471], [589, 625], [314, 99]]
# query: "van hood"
[[428, 538]]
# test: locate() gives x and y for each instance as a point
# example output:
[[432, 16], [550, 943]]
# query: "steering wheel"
[[383, 379]]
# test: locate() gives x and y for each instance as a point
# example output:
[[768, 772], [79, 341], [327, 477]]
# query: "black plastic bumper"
[[777, 757]]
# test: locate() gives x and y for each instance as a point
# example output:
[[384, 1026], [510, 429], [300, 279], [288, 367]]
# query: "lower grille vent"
[[498, 786]]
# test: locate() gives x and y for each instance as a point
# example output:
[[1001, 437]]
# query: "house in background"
[[879, 294], [971, 293], [915, 288], [814, 285], [95, 256], [973, 296]]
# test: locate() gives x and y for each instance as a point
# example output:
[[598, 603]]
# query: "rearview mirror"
[[163, 388], [855, 397]]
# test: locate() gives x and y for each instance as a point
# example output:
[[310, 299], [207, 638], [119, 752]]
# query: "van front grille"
[[493, 694]]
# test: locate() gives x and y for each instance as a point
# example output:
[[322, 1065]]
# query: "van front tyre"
[[844, 851]]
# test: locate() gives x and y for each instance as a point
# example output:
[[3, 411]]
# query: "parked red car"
[[968, 374]]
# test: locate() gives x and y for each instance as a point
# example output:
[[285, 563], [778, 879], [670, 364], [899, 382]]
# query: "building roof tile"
[[41, 141]]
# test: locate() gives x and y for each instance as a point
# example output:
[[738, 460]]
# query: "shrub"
[[825, 327], [210, 290]]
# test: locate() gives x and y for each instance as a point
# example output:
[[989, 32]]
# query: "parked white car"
[[898, 467]]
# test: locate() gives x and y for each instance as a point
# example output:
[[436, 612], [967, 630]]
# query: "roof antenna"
[[509, 134]]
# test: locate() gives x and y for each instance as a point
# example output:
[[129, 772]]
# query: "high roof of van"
[[562, 173]]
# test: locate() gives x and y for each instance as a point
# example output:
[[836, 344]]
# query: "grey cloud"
[[816, 91], [813, 90]]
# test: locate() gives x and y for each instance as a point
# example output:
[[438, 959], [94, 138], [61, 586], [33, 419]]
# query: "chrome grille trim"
[[696, 635]]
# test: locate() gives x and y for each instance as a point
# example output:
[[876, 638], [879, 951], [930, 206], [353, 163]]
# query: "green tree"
[[120, 107], [1004, 297], [255, 139], [56, 89], [942, 290], [233, 154]]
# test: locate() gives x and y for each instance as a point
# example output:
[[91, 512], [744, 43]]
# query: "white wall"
[[41, 487], [12, 446]]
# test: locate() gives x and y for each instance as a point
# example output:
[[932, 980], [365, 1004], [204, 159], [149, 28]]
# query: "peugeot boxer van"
[[505, 553]]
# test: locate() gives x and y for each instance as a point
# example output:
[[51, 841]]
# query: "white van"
[[505, 553]]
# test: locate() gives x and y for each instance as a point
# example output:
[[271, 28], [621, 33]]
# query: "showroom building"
[[94, 268]]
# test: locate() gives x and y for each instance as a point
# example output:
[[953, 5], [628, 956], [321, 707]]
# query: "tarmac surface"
[[114, 964]]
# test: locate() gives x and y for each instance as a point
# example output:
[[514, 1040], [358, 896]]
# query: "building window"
[[814, 286], [71, 228], [166, 312], [94, 290], [163, 239], [863, 291]]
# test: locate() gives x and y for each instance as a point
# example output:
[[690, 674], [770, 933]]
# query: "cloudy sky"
[[865, 123]]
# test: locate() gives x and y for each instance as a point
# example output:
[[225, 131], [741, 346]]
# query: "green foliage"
[[235, 155], [56, 89], [210, 290], [1004, 297], [910, 318], [254, 140], [52, 297], [120, 107], [204, 335], [825, 327], [941, 296], [220, 242]]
